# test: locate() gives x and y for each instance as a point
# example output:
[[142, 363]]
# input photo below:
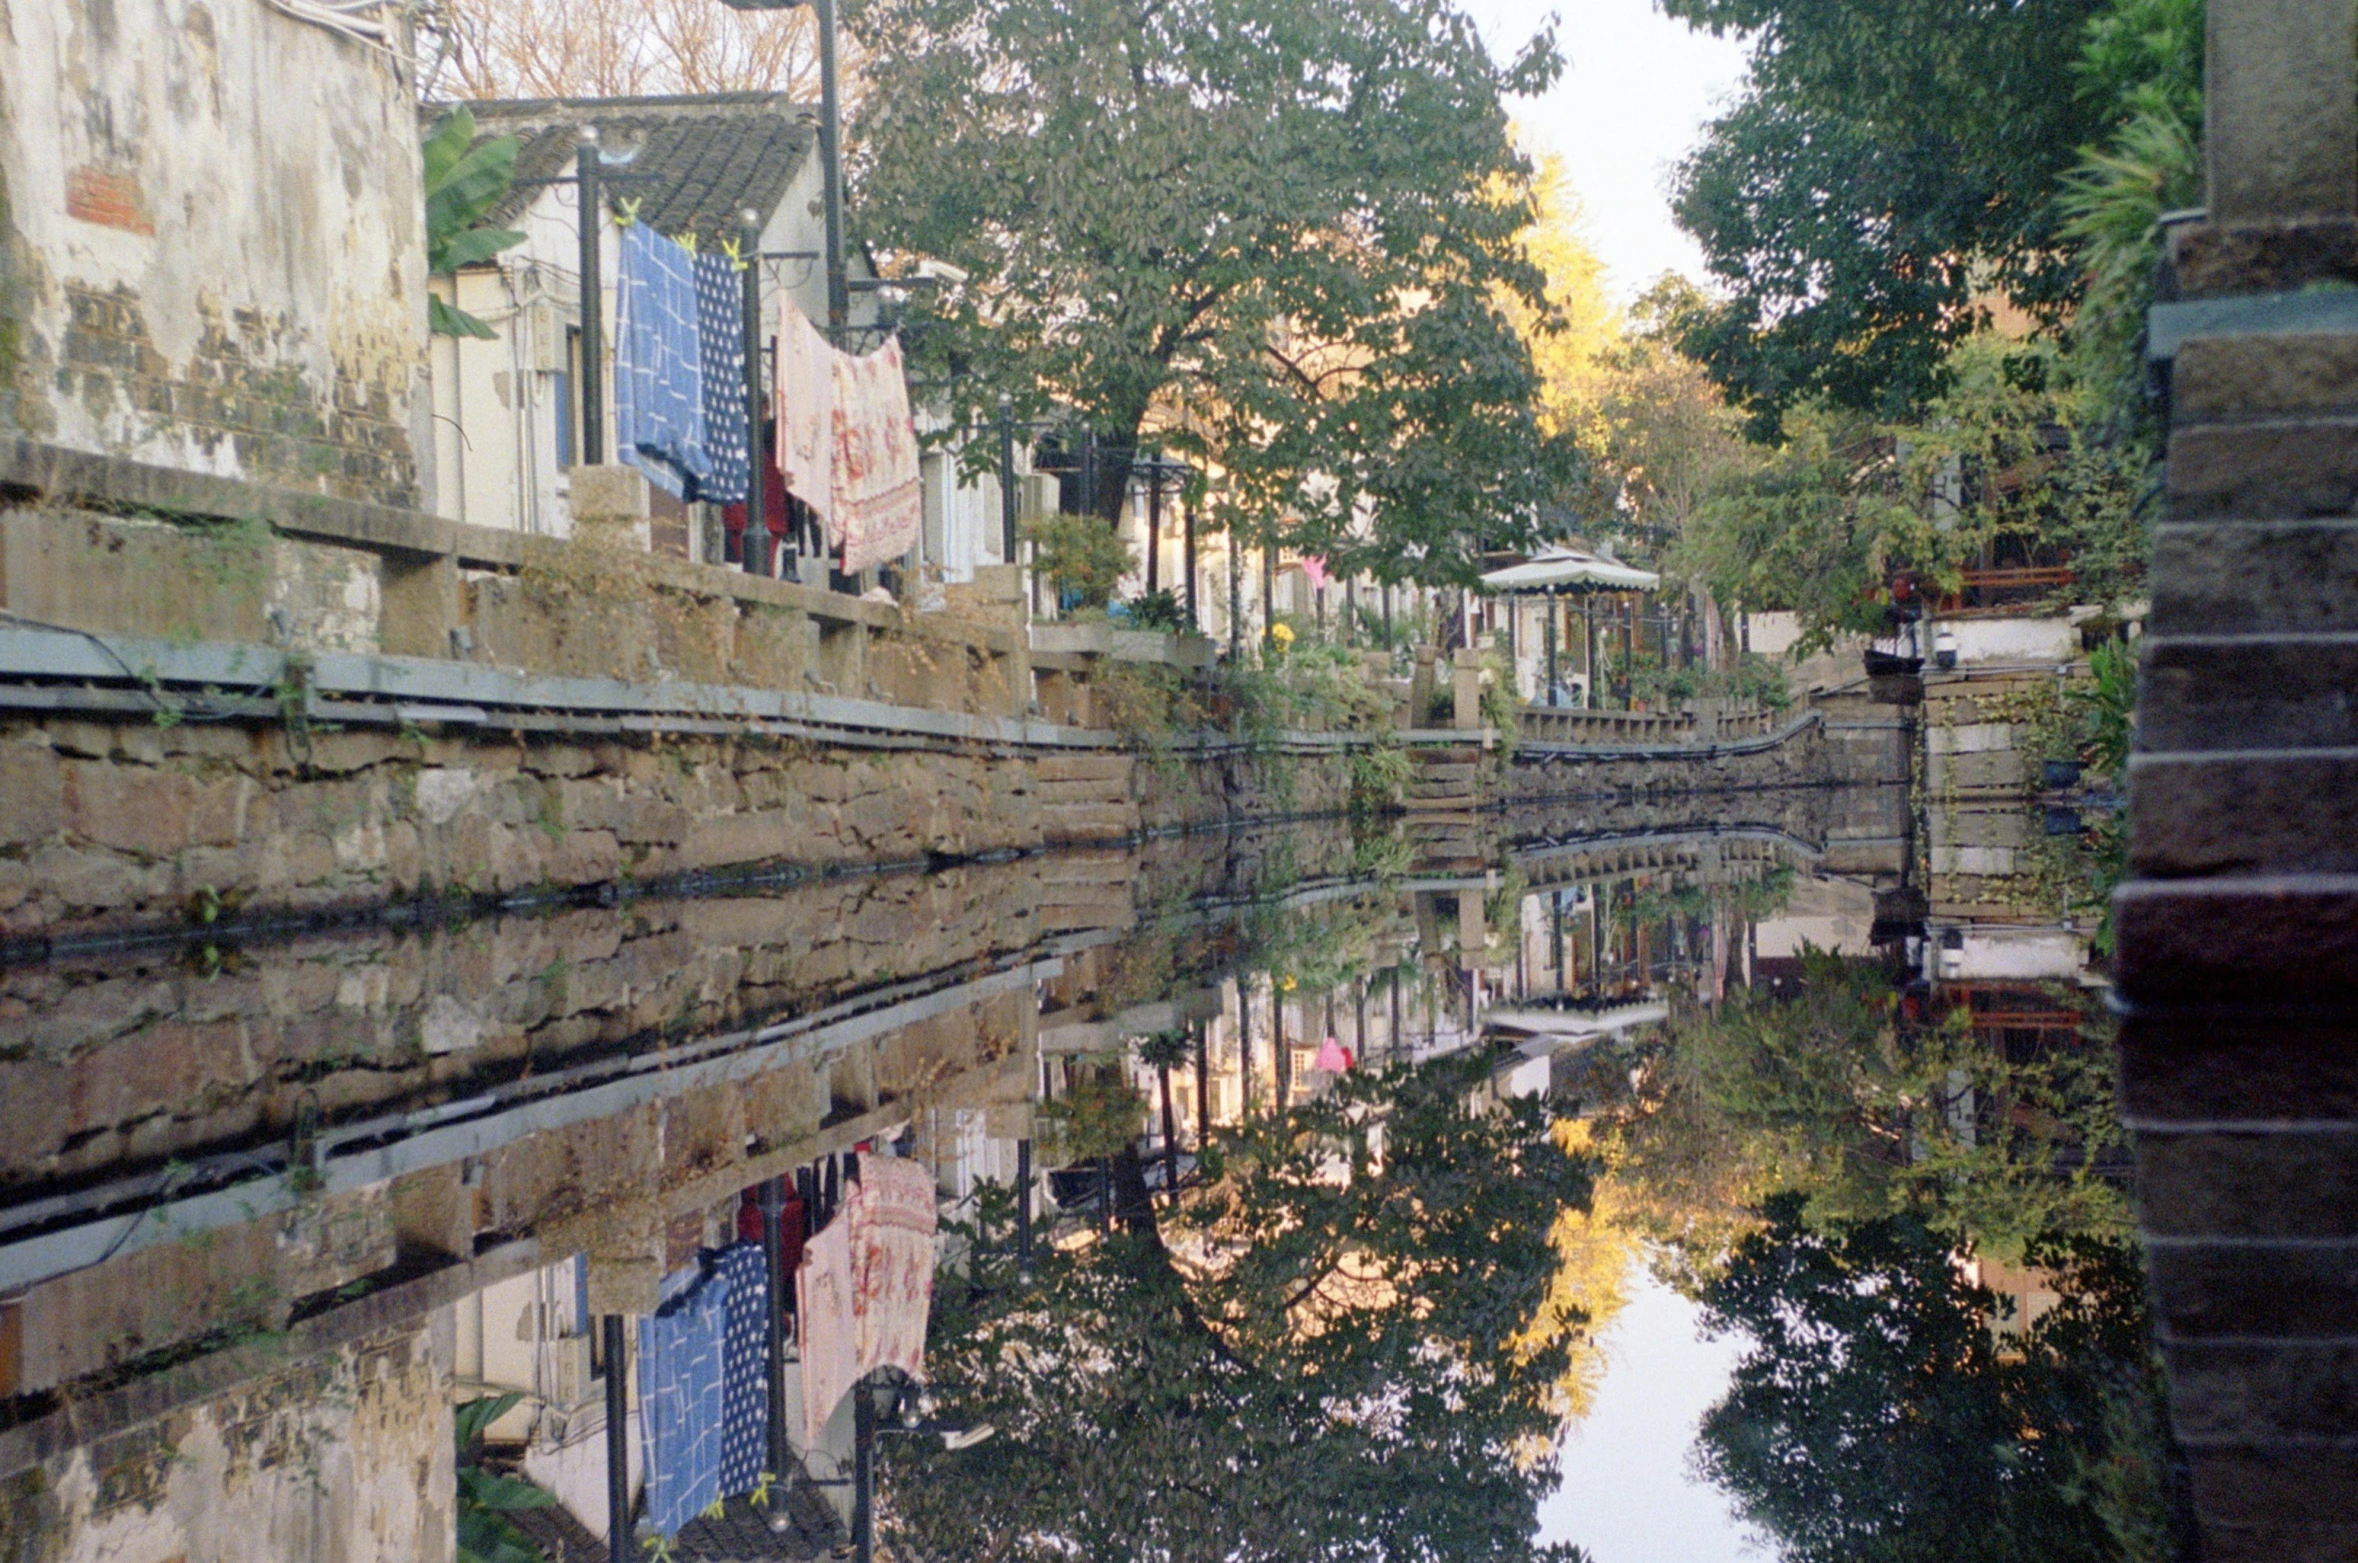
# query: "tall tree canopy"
[[1893, 165], [1333, 1357], [1273, 236]]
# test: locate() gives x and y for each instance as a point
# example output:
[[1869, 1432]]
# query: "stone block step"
[[2242, 811], [2212, 692], [2254, 577], [2268, 936], [2300, 468]]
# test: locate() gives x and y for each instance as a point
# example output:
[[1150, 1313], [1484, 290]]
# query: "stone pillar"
[[608, 501], [2282, 119], [1468, 690], [2238, 940]]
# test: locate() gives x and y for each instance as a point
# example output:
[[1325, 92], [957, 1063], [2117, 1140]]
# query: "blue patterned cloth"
[[659, 363], [720, 328], [745, 1385], [680, 1415]]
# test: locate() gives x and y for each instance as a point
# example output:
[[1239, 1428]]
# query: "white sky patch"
[[1636, 92], [1628, 1494]]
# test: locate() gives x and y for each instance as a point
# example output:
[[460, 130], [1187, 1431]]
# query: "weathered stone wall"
[[212, 250], [342, 1458]]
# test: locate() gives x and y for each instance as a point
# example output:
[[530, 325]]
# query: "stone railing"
[[94, 543], [1704, 724]]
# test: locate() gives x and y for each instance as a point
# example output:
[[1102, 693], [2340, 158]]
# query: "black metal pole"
[[617, 1444], [1244, 1047], [1023, 1208], [773, 1253], [831, 168], [1188, 515], [1551, 648], [1268, 594], [757, 522], [593, 344], [1154, 523], [1007, 477], [1089, 472], [1203, 1084], [863, 1473]]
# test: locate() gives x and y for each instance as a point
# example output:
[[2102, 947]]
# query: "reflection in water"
[[1290, 1186]]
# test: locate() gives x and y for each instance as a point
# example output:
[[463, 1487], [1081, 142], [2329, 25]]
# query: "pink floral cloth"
[[878, 504], [892, 1219], [865, 1289], [826, 1326], [805, 410]]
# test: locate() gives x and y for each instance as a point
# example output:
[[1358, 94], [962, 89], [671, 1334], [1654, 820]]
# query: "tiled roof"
[[715, 154]]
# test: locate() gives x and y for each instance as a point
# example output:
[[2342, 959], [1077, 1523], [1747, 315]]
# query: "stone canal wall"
[[109, 825]]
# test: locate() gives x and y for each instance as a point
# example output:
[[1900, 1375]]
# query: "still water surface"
[[1651, 1185]]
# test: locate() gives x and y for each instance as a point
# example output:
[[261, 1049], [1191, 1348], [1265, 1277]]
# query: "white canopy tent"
[[1556, 571]]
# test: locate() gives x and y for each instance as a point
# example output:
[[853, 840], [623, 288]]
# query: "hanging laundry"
[[827, 1329], [720, 335], [892, 1216], [773, 493], [680, 1406], [1314, 567], [745, 1377], [805, 408], [1333, 1057], [658, 363], [878, 508]]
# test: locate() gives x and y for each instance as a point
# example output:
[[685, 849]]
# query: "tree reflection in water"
[[1324, 1354], [1832, 1173]]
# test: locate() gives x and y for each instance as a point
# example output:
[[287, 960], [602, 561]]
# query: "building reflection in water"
[[1284, 1203]]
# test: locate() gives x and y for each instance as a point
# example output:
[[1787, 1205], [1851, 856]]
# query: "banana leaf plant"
[[486, 1498], [463, 183]]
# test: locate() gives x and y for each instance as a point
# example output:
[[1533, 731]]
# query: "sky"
[[1627, 1496], [1636, 91]]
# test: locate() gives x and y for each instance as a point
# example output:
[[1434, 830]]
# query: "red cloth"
[[773, 498]]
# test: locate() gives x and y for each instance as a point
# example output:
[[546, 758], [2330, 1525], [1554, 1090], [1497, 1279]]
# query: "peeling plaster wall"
[[343, 1459], [212, 248]]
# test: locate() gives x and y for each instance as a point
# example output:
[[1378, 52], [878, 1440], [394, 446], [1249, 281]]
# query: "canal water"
[[1661, 1181]]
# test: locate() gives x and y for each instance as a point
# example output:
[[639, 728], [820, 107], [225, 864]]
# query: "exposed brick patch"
[[111, 200], [237, 389]]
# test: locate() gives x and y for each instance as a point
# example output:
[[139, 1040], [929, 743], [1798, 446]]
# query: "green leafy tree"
[[1330, 1360], [1876, 1418], [1893, 166], [1274, 238], [2013, 452], [464, 181]]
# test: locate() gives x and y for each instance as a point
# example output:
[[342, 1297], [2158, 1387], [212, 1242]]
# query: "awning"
[[1566, 569]]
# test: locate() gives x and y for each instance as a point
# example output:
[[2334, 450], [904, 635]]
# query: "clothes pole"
[[831, 169], [591, 371], [1154, 523], [618, 1548], [756, 550], [773, 1252]]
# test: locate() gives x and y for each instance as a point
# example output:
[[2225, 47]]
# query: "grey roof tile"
[[713, 155]]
